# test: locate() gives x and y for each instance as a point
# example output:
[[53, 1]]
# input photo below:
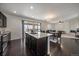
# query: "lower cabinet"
[[42, 46], [4, 41], [38, 46], [0, 44]]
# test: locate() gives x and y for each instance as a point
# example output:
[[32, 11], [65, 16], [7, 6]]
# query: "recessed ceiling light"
[[31, 7], [14, 11]]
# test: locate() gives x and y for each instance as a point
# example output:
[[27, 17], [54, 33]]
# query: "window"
[[34, 27], [25, 28], [37, 27], [28, 27]]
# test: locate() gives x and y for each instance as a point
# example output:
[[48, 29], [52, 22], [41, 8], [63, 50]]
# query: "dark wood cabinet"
[[0, 44], [4, 41], [37, 46], [3, 20]]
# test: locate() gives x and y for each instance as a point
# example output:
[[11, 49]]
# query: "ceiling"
[[52, 12]]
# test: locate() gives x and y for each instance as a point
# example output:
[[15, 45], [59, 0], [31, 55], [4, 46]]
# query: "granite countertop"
[[39, 34], [4, 33]]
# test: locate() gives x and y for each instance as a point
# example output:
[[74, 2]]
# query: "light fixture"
[[61, 21], [31, 7]]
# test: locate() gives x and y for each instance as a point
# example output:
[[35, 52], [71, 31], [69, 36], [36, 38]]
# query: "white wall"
[[44, 25], [14, 25], [74, 24], [62, 26], [51, 26], [66, 26]]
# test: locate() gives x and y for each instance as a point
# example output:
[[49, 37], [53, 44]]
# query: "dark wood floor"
[[69, 47]]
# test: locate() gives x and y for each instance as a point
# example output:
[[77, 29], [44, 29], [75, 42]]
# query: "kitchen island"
[[37, 43]]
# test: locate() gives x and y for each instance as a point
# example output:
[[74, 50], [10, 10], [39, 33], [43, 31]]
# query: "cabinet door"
[[42, 46], [3, 21], [0, 22], [0, 44], [1, 18]]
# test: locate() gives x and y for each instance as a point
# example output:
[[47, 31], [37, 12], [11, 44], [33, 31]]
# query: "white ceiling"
[[43, 11]]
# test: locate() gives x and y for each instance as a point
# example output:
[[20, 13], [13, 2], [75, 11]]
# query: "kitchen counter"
[[6, 32], [39, 34], [37, 43]]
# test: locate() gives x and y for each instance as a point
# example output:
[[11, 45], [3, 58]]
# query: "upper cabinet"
[[3, 20]]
